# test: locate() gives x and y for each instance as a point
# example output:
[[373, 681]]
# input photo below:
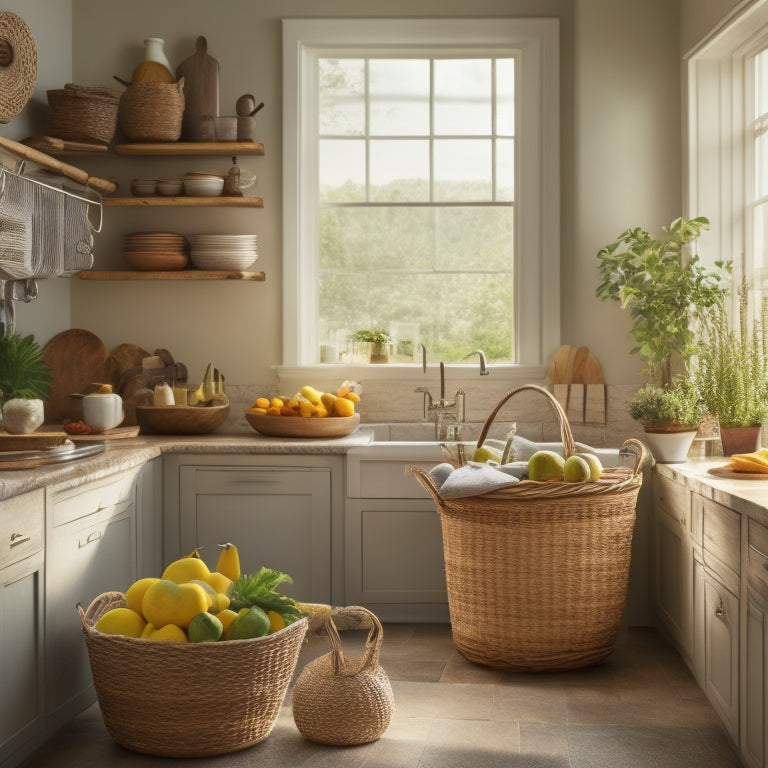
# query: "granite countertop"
[[748, 495], [121, 455]]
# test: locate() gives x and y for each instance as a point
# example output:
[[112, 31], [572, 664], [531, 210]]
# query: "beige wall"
[[620, 160]]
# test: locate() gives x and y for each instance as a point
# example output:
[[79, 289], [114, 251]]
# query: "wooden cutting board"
[[201, 84], [128, 377], [594, 391], [77, 358]]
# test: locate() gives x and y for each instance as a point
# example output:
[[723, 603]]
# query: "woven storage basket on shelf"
[[343, 701], [537, 572], [188, 699], [152, 111], [83, 113]]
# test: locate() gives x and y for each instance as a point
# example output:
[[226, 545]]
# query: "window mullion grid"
[[494, 135], [367, 128]]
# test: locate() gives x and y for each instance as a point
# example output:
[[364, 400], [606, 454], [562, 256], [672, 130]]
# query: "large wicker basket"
[[152, 111], [189, 699], [537, 572], [83, 113]]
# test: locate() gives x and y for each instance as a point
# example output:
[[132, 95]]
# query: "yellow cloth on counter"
[[756, 462]]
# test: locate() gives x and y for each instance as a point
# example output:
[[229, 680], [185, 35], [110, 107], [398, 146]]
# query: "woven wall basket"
[[342, 701], [537, 572], [189, 699]]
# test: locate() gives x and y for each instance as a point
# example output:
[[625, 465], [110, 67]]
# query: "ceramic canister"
[[103, 411]]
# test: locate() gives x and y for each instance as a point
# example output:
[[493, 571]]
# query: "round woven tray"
[[537, 572], [189, 699], [18, 65]]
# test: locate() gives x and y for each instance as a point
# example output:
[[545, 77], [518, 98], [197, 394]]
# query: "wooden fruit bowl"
[[181, 419], [296, 426]]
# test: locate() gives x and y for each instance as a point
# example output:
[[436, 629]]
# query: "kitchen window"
[[421, 187], [728, 146]]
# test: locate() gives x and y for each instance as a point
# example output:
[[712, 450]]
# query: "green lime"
[[204, 628], [250, 622]]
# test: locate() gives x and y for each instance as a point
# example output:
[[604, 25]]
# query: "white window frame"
[[718, 150], [537, 203]]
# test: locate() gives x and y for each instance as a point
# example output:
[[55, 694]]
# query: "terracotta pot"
[[740, 439]]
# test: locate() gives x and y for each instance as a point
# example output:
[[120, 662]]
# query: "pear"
[[595, 465], [483, 455], [576, 470], [546, 465]]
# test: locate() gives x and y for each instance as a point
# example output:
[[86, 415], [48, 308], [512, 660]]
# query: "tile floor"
[[638, 709]]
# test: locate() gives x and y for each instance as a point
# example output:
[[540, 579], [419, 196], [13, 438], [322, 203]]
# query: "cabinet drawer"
[[21, 526], [674, 497], [757, 568], [74, 503], [721, 537]]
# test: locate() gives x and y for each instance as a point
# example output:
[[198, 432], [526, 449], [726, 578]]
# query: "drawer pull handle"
[[92, 536], [720, 610], [18, 538]]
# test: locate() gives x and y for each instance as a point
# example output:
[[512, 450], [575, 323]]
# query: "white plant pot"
[[670, 447], [21, 416]]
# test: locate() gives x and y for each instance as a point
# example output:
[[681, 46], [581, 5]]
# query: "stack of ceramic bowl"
[[203, 184], [233, 253], [156, 251], [170, 187], [143, 187]]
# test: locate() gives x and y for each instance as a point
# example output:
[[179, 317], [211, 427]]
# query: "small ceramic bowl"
[[199, 187], [170, 187], [143, 187]]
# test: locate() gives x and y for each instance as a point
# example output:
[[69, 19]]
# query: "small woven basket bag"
[[342, 701]]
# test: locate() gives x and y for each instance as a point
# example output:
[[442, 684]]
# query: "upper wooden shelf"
[[182, 200], [190, 148], [181, 274]]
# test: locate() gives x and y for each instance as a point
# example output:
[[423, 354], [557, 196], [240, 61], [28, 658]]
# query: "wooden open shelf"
[[190, 148], [181, 274], [158, 201]]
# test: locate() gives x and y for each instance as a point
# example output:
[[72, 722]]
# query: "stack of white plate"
[[224, 252], [156, 251]]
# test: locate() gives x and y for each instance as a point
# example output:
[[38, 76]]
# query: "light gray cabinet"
[[22, 705], [282, 512], [90, 549], [393, 541]]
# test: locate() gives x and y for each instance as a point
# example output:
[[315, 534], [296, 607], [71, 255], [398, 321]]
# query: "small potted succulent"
[[378, 340], [25, 380]]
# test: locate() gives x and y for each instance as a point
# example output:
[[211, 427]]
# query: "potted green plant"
[[25, 379], [732, 376], [666, 289], [379, 340]]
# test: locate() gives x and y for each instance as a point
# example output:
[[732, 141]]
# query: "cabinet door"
[[394, 559], [674, 580], [86, 557], [21, 644], [721, 652], [753, 738], [278, 517]]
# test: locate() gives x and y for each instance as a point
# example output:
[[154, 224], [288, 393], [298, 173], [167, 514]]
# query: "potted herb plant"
[[667, 290], [25, 379], [732, 376], [378, 340]]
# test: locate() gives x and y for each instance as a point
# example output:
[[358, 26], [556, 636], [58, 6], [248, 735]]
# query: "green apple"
[[576, 470], [545, 465], [595, 466]]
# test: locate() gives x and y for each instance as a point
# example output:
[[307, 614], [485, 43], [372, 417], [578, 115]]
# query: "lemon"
[[545, 465], [204, 628], [226, 617], [170, 633], [250, 622], [276, 621], [134, 595], [121, 621], [576, 470], [219, 582], [168, 603], [186, 569]]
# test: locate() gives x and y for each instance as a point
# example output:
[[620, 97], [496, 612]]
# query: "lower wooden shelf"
[[181, 274]]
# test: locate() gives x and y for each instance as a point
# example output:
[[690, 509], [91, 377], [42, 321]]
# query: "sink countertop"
[[128, 454], [748, 495]]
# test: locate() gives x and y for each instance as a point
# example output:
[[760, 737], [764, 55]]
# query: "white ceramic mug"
[[103, 411]]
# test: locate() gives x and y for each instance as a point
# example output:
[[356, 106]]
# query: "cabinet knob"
[[720, 610]]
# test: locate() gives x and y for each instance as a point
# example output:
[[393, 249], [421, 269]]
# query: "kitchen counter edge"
[[121, 455]]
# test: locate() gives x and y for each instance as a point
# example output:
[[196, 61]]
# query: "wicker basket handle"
[[372, 644], [636, 448], [565, 429]]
